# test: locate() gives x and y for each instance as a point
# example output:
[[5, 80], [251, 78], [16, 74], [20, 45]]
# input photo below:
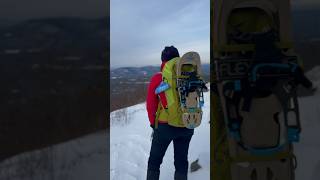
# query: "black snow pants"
[[162, 137]]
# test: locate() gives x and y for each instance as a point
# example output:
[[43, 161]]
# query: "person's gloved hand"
[[151, 137]]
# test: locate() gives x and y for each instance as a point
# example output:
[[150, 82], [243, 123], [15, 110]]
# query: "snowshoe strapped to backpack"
[[255, 70], [183, 89]]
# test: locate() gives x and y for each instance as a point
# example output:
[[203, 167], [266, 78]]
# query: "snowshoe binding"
[[255, 70]]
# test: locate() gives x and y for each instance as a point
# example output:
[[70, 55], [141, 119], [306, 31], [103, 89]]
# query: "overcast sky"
[[140, 29]]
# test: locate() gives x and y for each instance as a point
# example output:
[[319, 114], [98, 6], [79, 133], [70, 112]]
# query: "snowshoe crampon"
[[255, 69]]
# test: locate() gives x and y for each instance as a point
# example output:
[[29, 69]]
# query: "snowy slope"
[[308, 149], [130, 140], [80, 159]]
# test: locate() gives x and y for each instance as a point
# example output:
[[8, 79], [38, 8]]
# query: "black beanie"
[[169, 53]]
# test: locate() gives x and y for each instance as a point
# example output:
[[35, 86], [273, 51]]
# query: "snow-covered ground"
[[308, 149], [131, 142], [80, 159], [86, 157]]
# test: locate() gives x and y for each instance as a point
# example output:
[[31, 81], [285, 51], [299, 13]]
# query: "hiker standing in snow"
[[165, 133]]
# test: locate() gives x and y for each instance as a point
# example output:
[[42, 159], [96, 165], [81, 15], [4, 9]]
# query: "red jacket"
[[154, 99]]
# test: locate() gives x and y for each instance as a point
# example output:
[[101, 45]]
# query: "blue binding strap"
[[293, 134], [255, 69], [234, 130], [237, 85], [201, 103], [294, 68], [192, 110], [265, 151]]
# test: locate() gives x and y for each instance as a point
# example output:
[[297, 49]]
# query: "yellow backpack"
[[183, 107]]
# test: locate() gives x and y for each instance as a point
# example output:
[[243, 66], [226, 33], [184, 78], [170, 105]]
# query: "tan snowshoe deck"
[[260, 121], [190, 61], [260, 129]]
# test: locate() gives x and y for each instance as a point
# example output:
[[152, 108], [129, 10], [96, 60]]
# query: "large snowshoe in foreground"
[[183, 88], [256, 75]]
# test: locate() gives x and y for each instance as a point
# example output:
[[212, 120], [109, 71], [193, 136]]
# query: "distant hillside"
[[4, 22], [145, 71], [128, 85], [133, 72], [55, 33]]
